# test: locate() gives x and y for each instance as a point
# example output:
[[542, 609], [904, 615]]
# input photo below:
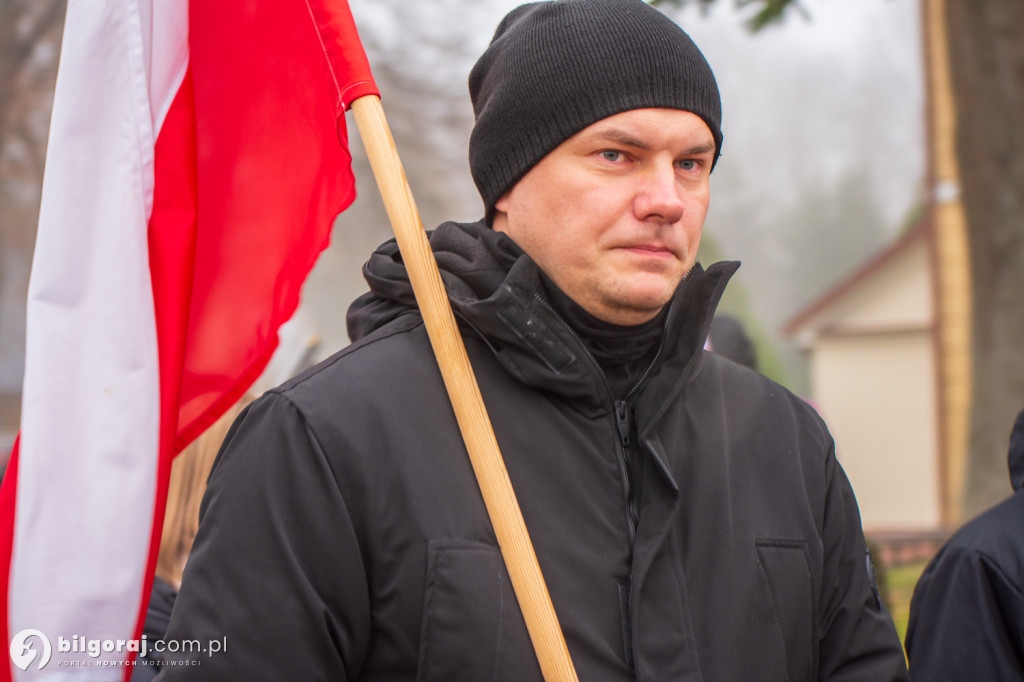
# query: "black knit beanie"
[[554, 68]]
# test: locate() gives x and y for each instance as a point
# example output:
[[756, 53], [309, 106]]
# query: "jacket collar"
[[495, 290]]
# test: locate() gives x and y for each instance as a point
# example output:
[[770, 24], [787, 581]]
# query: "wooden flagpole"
[[464, 393]]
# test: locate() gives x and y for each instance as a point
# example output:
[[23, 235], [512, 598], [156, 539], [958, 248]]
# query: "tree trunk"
[[987, 61]]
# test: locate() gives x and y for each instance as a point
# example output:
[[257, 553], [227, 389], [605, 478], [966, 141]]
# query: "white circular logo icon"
[[22, 652]]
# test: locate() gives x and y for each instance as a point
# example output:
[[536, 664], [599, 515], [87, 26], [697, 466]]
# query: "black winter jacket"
[[700, 530], [967, 613]]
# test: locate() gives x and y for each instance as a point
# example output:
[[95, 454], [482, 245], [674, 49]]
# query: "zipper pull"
[[622, 421]]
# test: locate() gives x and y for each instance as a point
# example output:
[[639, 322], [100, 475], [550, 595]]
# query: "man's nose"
[[659, 195]]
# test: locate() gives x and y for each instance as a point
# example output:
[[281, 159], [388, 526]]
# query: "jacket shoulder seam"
[[321, 452]]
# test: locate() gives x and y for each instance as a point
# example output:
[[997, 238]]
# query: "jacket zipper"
[[661, 345], [622, 410], [623, 425], [623, 429], [623, 456]]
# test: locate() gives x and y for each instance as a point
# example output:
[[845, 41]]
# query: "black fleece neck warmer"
[[622, 352]]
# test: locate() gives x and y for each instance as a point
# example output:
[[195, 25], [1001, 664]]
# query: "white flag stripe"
[[168, 54], [91, 397]]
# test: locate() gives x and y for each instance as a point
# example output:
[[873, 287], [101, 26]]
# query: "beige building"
[[890, 347], [872, 345]]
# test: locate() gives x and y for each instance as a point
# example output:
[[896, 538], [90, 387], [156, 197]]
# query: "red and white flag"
[[197, 158]]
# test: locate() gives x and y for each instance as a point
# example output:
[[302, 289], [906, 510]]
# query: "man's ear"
[[502, 203], [499, 221]]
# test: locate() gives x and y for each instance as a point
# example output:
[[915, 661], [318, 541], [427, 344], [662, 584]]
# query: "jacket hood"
[[1016, 455], [473, 259], [495, 290]]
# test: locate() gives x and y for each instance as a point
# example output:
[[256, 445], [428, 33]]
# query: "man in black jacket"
[[967, 612], [689, 515]]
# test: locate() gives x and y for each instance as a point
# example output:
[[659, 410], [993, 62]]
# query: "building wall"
[[877, 393]]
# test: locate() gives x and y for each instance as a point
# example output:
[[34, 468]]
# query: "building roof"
[[861, 276]]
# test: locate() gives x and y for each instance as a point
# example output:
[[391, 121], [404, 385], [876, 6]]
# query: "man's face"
[[614, 214]]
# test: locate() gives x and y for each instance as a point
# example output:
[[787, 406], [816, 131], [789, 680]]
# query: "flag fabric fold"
[[197, 158]]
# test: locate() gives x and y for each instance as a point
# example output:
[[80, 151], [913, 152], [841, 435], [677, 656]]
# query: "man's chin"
[[649, 292], [634, 309]]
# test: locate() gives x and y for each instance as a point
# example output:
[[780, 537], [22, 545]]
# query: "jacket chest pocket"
[[786, 575], [472, 628]]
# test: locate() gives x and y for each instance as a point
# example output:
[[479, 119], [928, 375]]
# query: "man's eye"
[[687, 164], [611, 155]]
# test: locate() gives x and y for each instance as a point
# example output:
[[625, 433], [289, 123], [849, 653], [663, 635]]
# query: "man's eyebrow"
[[624, 137], [700, 148]]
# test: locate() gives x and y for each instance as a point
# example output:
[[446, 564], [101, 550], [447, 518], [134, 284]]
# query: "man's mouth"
[[655, 250]]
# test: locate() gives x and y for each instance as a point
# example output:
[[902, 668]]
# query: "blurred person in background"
[[728, 337], [967, 611]]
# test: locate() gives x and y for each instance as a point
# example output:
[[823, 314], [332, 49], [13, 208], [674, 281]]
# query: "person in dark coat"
[[689, 516], [728, 337], [967, 611]]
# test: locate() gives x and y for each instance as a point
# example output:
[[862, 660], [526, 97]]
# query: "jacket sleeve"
[[966, 620], [858, 639], [275, 576]]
